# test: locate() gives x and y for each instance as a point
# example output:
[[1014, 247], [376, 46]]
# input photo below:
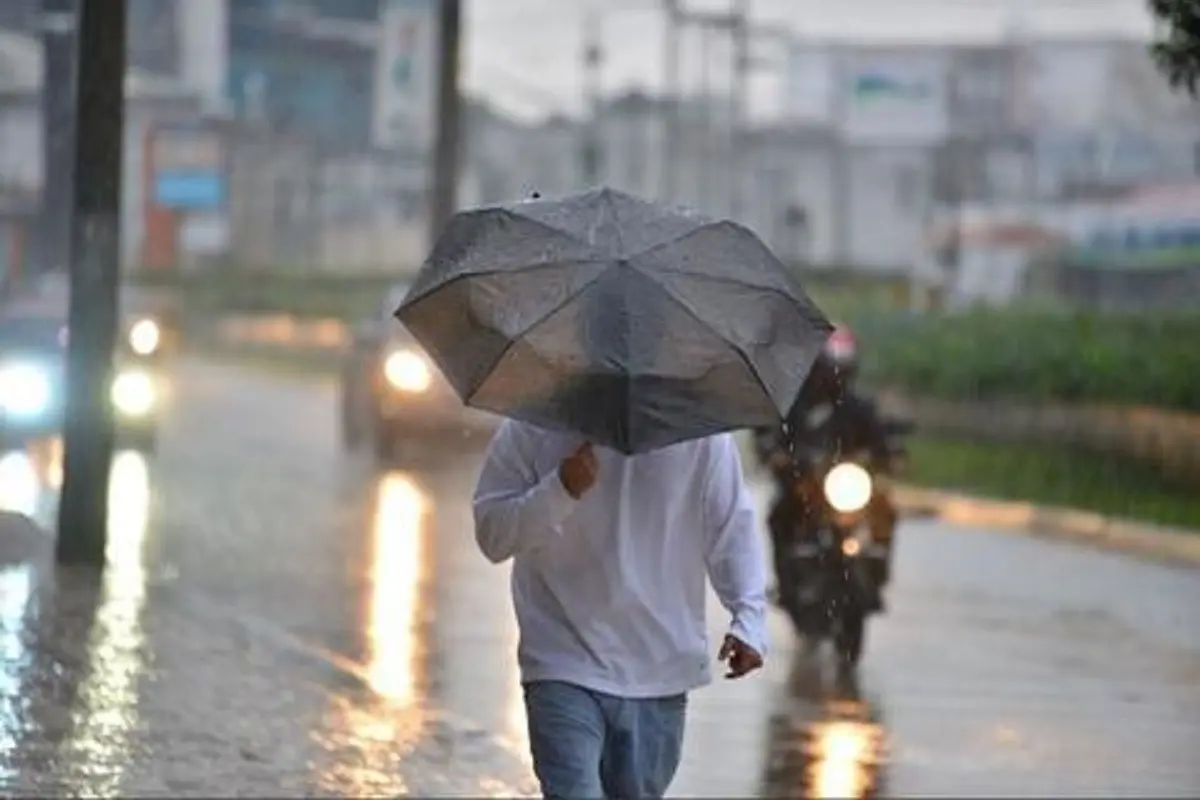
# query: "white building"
[[151, 100], [919, 126]]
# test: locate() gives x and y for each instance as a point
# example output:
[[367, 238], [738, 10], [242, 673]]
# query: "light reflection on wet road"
[[1005, 665], [105, 707], [826, 744]]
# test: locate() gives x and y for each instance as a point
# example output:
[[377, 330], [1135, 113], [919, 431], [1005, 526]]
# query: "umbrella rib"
[[485, 273], [509, 211], [735, 282], [544, 225], [514, 339], [745, 359], [707, 226]]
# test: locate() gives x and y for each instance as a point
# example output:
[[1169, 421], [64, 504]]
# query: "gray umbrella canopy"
[[632, 324]]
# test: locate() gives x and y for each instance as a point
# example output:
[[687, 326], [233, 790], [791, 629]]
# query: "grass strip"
[[1052, 476]]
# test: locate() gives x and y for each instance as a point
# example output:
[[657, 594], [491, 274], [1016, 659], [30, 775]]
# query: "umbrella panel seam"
[[808, 307], [742, 356], [525, 331]]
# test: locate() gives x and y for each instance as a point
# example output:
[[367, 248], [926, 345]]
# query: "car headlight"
[[134, 393], [24, 390], [848, 488], [144, 337], [20, 486], [407, 371]]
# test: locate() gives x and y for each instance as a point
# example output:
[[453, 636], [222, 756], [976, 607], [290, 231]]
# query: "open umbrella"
[[632, 324]]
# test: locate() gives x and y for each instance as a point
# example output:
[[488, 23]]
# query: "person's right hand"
[[578, 471]]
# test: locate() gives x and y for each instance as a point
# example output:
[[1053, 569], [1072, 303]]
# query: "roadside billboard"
[[187, 167], [897, 98], [406, 74]]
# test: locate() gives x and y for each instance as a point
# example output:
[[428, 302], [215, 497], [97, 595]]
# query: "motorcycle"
[[836, 563]]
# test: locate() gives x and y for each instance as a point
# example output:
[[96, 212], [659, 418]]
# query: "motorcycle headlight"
[[144, 337], [407, 371], [24, 389], [134, 393], [848, 488]]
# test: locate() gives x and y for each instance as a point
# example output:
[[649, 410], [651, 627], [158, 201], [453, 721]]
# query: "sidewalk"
[[129, 685], [1158, 543]]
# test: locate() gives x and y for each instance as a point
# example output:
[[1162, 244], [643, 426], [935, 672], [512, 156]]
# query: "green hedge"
[[1052, 476], [1145, 359], [274, 291]]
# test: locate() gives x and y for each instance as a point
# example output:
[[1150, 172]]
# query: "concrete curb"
[[1173, 545]]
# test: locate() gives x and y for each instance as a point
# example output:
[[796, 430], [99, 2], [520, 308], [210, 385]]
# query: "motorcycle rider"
[[831, 416]]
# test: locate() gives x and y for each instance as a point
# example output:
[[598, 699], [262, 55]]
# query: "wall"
[[888, 198], [204, 54]]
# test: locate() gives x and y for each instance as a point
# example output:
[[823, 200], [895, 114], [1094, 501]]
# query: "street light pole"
[[59, 20], [736, 24], [673, 99], [443, 200], [591, 151], [739, 20], [94, 256]]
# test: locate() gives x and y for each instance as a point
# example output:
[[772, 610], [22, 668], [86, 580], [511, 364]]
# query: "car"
[[33, 344], [393, 396]]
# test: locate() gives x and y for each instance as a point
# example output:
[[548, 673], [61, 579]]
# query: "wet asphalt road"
[[263, 581]]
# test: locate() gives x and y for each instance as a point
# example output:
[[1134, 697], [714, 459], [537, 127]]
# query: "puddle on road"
[[71, 641], [385, 728], [397, 569], [16, 591], [828, 742], [392, 741]]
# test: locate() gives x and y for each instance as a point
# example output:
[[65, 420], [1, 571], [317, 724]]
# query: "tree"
[[1178, 49]]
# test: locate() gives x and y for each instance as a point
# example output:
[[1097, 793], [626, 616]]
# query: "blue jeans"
[[587, 744]]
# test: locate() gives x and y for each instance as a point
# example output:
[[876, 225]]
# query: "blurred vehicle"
[[33, 345], [392, 395], [150, 322]]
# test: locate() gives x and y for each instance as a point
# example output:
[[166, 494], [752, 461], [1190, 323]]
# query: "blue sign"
[[189, 189]]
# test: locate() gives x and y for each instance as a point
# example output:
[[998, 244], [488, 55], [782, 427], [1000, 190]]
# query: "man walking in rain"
[[621, 338], [610, 558]]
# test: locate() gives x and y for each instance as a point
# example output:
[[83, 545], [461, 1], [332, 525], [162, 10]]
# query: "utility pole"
[[736, 24], [673, 98], [591, 151], [444, 184], [704, 128], [739, 21], [58, 27], [94, 259], [841, 173]]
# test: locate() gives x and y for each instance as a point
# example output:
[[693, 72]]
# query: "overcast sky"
[[524, 55]]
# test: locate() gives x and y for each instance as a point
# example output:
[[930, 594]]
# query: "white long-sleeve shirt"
[[609, 590]]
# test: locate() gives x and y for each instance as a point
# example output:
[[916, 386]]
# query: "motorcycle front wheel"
[[850, 638]]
